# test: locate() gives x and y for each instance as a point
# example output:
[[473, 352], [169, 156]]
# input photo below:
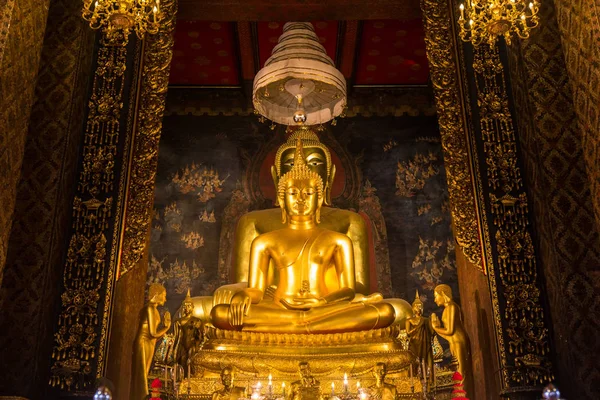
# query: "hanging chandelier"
[[485, 20], [141, 16], [299, 83]]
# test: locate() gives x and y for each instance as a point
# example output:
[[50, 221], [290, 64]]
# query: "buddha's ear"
[[329, 186], [276, 183]]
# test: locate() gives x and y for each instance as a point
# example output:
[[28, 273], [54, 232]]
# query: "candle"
[[332, 389], [358, 385], [283, 389], [270, 385], [462, 11], [345, 383]]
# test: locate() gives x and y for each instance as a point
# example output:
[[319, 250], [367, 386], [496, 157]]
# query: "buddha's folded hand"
[[239, 307]]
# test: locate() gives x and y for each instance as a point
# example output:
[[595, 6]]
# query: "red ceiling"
[[392, 52], [269, 32], [204, 54], [389, 52]]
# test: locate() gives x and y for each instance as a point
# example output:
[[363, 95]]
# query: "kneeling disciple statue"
[[316, 285], [307, 388]]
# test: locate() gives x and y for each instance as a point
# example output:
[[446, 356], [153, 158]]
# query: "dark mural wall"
[[214, 169]]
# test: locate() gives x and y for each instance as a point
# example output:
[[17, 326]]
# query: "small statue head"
[[417, 305], [157, 294], [300, 191], [442, 294], [304, 369], [380, 371], [316, 157], [187, 307], [227, 376]]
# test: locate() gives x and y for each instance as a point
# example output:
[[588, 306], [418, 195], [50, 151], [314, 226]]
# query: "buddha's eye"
[[309, 191], [292, 191], [289, 163], [314, 161]]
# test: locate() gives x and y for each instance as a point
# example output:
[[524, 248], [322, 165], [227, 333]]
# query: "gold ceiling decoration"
[[483, 21], [113, 16], [299, 83]]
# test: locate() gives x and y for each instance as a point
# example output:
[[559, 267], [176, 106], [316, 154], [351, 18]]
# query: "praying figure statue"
[[307, 388], [451, 328], [420, 332], [315, 267], [145, 340], [187, 332], [229, 391], [381, 390]]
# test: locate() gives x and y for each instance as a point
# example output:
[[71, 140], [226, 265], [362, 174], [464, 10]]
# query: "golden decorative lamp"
[[483, 21], [299, 83], [113, 16]]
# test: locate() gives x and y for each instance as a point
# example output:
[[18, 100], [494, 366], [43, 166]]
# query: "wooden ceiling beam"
[[297, 10]]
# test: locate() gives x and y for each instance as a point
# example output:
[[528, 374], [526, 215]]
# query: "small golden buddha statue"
[[317, 158], [229, 391], [381, 390], [145, 341], [451, 328], [419, 331], [307, 388], [187, 333], [315, 290]]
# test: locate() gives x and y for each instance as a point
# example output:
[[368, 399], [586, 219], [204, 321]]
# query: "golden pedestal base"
[[254, 356]]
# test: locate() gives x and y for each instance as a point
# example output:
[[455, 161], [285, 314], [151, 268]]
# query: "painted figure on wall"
[[145, 341]]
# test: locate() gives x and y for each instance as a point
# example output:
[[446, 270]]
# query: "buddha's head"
[[187, 307], [380, 371], [315, 155], [304, 369], [300, 191], [157, 294], [227, 377], [417, 305], [442, 294]]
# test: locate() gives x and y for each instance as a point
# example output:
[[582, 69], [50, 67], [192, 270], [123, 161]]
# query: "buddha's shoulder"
[[341, 214]]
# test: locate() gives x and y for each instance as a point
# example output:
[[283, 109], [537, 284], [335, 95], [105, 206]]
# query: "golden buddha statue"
[[419, 331], [381, 390], [187, 332], [145, 340], [316, 283], [229, 391], [451, 328], [317, 158], [307, 387]]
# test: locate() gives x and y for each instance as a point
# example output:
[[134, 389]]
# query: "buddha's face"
[[418, 309], [438, 298], [313, 156], [227, 377], [379, 371], [187, 310], [301, 197]]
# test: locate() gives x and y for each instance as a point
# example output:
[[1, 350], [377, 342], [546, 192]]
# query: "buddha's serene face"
[[418, 309], [313, 156], [301, 197], [227, 377], [438, 298], [188, 308], [379, 371]]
